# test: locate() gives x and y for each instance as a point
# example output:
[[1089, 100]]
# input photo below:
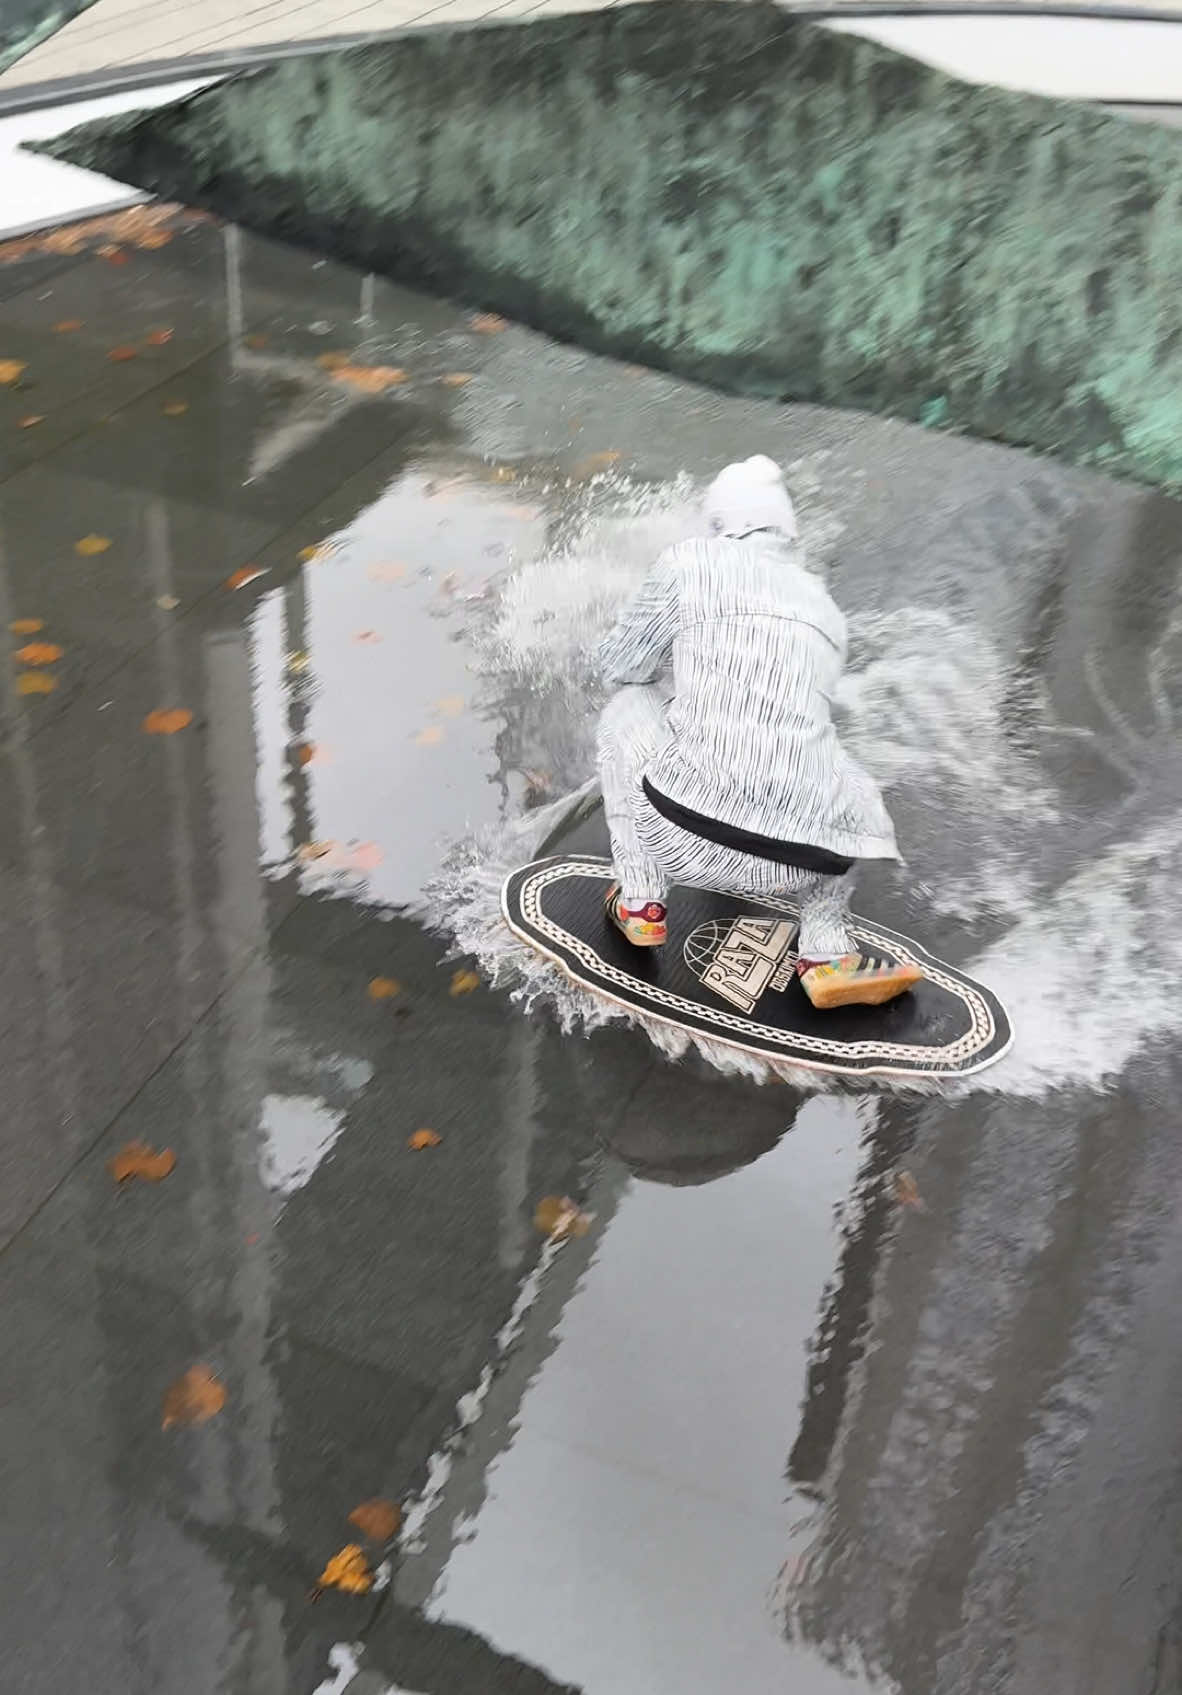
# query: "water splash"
[[929, 706], [1094, 974]]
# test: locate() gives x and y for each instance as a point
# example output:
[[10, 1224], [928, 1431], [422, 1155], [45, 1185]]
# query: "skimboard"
[[727, 973]]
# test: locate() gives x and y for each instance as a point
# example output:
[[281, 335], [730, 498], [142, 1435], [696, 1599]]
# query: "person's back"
[[758, 651]]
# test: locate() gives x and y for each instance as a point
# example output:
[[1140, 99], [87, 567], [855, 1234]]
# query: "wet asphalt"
[[782, 1418]]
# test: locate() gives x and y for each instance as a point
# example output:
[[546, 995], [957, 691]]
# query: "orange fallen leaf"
[[67, 326], [305, 753], [26, 626], [456, 379], [430, 736], [67, 241], [356, 857], [370, 379], [137, 1159], [12, 370], [193, 1399], [559, 1217], [368, 638], [463, 982], [244, 574], [36, 682], [167, 720], [307, 554], [30, 420], [88, 546], [175, 408], [348, 1571], [361, 856], [377, 1519], [424, 1139], [907, 1191], [120, 355], [39, 653], [489, 323], [158, 338], [451, 705], [334, 361], [384, 988]]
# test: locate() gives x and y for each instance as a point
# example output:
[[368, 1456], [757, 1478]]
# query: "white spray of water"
[[923, 706], [1095, 973]]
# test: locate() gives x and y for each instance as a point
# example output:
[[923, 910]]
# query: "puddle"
[[634, 1509], [772, 1421]]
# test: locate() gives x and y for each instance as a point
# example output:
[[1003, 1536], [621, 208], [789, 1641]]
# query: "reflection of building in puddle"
[[375, 745], [273, 1077], [387, 724], [970, 1465], [299, 1130], [647, 1405], [209, 820]]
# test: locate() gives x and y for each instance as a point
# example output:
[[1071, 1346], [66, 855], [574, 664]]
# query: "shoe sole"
[[852, 993]]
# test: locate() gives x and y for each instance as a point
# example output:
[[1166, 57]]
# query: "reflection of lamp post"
[[174, 751], [224, 1070], [242, 1043], [322, 402], [295, 777], [62, 1080], [365, 313]]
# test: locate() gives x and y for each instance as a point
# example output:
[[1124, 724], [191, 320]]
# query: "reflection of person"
[[733, 777]]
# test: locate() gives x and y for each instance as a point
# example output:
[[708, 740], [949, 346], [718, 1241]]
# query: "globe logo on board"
[[739, 959], [702, 944]]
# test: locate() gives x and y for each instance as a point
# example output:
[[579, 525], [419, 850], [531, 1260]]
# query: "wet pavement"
[[836, 1392]]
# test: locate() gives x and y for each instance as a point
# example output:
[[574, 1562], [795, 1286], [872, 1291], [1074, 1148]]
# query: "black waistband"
[[802, 856]]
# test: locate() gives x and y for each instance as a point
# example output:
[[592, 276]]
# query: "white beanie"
[[750, 495]]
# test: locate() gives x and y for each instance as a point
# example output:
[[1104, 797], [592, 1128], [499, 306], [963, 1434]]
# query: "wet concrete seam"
[[89, 1148], [200, 601], [85, 428]]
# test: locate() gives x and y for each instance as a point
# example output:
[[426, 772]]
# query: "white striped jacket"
[[757, 647]]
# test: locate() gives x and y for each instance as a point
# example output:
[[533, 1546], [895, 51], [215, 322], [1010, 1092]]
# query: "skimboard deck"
[[726, 972]]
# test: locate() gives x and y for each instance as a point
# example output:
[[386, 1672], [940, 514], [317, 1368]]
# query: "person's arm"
[[638, 649]]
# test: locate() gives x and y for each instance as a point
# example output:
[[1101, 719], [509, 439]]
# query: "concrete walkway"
[[777, 1412], [118, 33], [127, 32]]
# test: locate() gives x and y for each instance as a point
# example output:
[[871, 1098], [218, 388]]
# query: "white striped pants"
[[649, 852]]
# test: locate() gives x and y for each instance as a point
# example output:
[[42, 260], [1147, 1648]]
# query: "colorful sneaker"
[[855, 979], [644, 926]]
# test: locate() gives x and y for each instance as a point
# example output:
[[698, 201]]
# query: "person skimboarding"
[[719, 763]]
